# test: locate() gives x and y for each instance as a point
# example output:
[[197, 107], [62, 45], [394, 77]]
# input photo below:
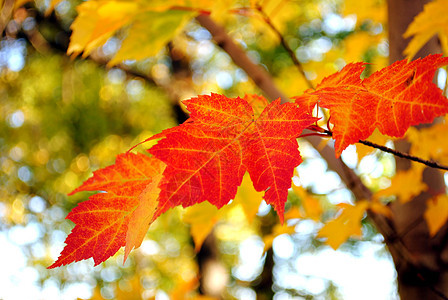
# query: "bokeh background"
[[62, 117]]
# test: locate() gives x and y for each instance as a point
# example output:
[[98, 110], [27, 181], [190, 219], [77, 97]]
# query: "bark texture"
[[422, 273]]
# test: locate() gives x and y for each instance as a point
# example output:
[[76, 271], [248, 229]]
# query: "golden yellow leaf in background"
[[436, 213], [433, 20], [375, 10], [430, 143], [202, 218], [376, 138], [405, 184], [311, 206], [347, 224]]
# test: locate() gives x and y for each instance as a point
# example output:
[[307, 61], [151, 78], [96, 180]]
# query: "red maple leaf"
[[207, 156], [391, 99], [102, 221]]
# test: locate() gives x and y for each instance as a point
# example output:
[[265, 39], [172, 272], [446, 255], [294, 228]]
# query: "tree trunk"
[[426, 276]]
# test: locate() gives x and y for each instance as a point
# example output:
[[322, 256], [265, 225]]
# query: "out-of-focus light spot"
[[63, 7], [149, 247], [245, 293], [264, 209], [23, 235], [57, 214], [109, 274], [3, 210], [134, 88], [83, 163], [305, 227], [77, 291], [224, 80], [161, 295], [201, 34], [16, 119], [58, 165], [17, 206], [110, 47], [107, 292], [8, 166], [340, 196], [283, 246], [241, 76], [334, 24], [70, 180], [106, 92], [383, 48], [441, 78], [41, 156], [16, 62], [250, 253], [116, 76], [29, 24], [343, 269], [160, 71], [24, 174], [205, 49], [350, 157], [16, 153]]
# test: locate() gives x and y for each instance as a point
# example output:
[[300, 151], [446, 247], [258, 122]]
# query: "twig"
[[429, 163], [285, 45]]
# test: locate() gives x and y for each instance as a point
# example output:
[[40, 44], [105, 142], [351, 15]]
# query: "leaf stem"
[[285, 45], [429, 163]]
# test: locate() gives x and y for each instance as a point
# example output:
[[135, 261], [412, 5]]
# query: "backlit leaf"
[[102, 221], [391, 99], [208, 155]]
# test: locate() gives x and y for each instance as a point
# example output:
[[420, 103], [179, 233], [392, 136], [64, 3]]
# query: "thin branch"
[[285, 45], [429, 163]]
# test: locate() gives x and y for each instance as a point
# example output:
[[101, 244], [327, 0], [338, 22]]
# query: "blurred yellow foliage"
[[405, 184], [375, 10], [347, 224], [431, 21], [436, 213]]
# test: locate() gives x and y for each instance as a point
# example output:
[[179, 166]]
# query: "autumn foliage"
[[205, 158]]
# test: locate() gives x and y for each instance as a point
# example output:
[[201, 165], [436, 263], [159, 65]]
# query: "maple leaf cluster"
[[205, 158]]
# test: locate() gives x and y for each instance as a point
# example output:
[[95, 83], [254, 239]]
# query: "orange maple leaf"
[[102, 221], [208, 155], [391, 99]]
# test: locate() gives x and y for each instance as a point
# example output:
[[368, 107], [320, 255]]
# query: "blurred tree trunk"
[[426, 277]]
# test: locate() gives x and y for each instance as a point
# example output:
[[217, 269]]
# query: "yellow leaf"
[[347, 224], [377, 138], [97, 21], [430, 143], [248, 198], [405, 184], [436, 213], [431, 21], [202, 218], [311, 205], [142, 216], [149, 33]]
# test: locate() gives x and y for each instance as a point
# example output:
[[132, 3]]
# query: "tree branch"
[[429, 163], [285, 45]]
